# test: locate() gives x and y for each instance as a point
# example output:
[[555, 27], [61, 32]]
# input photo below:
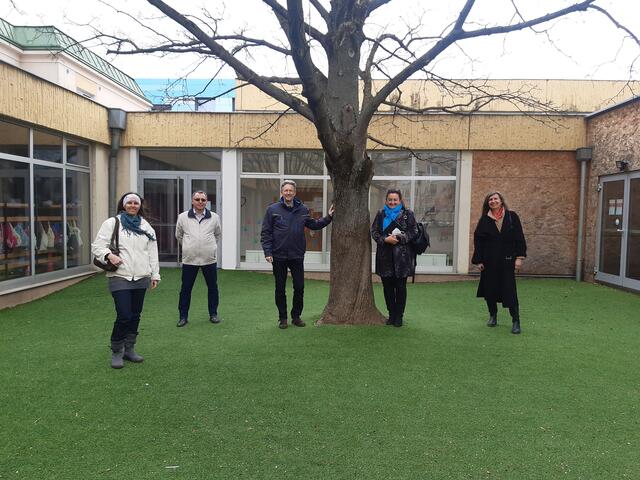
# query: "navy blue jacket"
[[282, 235]]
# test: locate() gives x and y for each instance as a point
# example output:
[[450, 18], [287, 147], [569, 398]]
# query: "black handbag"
[[114, 246]]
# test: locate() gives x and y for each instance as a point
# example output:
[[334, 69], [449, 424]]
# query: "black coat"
[[395, 260], [282, 234], [497, 251]]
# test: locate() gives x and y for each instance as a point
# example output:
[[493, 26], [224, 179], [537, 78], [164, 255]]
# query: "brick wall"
[[543, 188], [614, 135]]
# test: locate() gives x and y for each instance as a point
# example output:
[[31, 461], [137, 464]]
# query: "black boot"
[[493, 320], [515, 328]]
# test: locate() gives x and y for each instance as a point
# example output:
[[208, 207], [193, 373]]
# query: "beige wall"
[[29, 99], [583, 96], [450, 132], [614, 135]]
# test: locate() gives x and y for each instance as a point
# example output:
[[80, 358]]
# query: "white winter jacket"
[[199, 239], [139, 254]]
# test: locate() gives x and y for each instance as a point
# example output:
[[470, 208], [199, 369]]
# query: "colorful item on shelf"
[[43, 244]]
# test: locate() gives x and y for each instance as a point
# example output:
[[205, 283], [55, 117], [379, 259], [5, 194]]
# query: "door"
[[619, 237], [166, 196]]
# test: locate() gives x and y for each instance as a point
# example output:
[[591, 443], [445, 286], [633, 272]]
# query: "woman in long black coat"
[[393, 230], [499, 249]]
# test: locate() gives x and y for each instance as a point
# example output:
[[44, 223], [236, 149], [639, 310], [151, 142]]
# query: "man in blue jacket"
[[284, 245]]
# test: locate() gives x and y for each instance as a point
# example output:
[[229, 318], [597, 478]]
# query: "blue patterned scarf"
[[131, 224], [390, 214]]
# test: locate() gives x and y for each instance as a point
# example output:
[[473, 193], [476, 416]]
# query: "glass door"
[[163, 201], [619, 238], [632, 261], [166, 196]]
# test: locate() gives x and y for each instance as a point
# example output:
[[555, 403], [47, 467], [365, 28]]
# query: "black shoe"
[[389, 321], [493, 321], [282, 323], [214, 319], [182, 322], [515, 328], [298, 322]]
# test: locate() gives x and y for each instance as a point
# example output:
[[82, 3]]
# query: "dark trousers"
[[128, 309], [280, 267], [493, 310], [395, 296], [189, 274]]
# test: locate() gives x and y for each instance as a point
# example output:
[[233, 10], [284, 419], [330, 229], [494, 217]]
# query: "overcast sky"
[[577, 47]]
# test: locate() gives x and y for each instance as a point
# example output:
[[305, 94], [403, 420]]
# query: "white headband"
[[131, 196]]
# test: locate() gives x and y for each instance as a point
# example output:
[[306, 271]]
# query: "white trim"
[[230, 209], [463, 208]]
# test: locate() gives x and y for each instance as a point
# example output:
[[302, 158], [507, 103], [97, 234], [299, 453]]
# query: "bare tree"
[[336, 62]]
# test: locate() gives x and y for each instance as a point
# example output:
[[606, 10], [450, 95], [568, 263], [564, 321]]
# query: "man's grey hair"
[[199, 191], [288, 182]]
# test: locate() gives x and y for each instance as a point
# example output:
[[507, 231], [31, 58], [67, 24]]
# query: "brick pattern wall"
[[614, 135], [543, 188]]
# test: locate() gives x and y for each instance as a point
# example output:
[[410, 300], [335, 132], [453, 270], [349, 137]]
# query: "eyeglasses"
[[200, 199]]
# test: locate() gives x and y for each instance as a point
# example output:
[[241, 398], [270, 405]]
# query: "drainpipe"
[[583, 155], [117, 125]]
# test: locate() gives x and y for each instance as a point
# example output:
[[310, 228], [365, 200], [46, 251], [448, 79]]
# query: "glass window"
[[47, 146], [78, 219], [435, 204], [15, 238], [436, 163], [391, 163], [184, 160], [256, 194], [49, 219], [14, 139], [310, 193], [304, 163], [77, 153], [378, 193], [260, 162]]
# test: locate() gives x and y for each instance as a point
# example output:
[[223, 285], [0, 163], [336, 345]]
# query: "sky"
[[582, 46]]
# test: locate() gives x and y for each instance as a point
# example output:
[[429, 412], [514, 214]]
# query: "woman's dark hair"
[[485, 204], [120, 206], [397, 192]]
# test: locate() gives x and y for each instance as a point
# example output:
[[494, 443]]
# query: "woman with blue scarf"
[[393, 230], [138, 270]]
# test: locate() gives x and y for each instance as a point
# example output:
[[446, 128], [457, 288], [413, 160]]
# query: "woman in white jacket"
[[138, 269]]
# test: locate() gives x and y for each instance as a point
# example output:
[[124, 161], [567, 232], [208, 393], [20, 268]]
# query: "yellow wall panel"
[[30, 99], [260, 131], [442, 132], [176, 129], [518, 132]]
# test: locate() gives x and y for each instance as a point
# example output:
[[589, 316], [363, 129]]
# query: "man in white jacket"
[[198, 232]]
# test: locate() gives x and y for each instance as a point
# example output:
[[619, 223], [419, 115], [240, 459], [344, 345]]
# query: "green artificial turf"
[[443, 397]]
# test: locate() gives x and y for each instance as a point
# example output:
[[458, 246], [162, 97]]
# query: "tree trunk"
[[351, 298]]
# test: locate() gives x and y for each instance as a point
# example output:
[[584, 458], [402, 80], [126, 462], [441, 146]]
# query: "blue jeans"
[[128, 309], [189, 274]]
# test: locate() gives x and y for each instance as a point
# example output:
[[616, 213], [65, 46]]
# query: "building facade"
[[55, 145]]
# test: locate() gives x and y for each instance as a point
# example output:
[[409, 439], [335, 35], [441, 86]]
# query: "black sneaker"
[[215, 319], [282, 323], [182, 322]]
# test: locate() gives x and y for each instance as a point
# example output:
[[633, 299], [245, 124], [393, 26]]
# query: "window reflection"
[[15, 236], [49, 226]]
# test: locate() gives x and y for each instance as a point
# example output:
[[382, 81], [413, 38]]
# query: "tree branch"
[[456, 34], [243, 70]]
